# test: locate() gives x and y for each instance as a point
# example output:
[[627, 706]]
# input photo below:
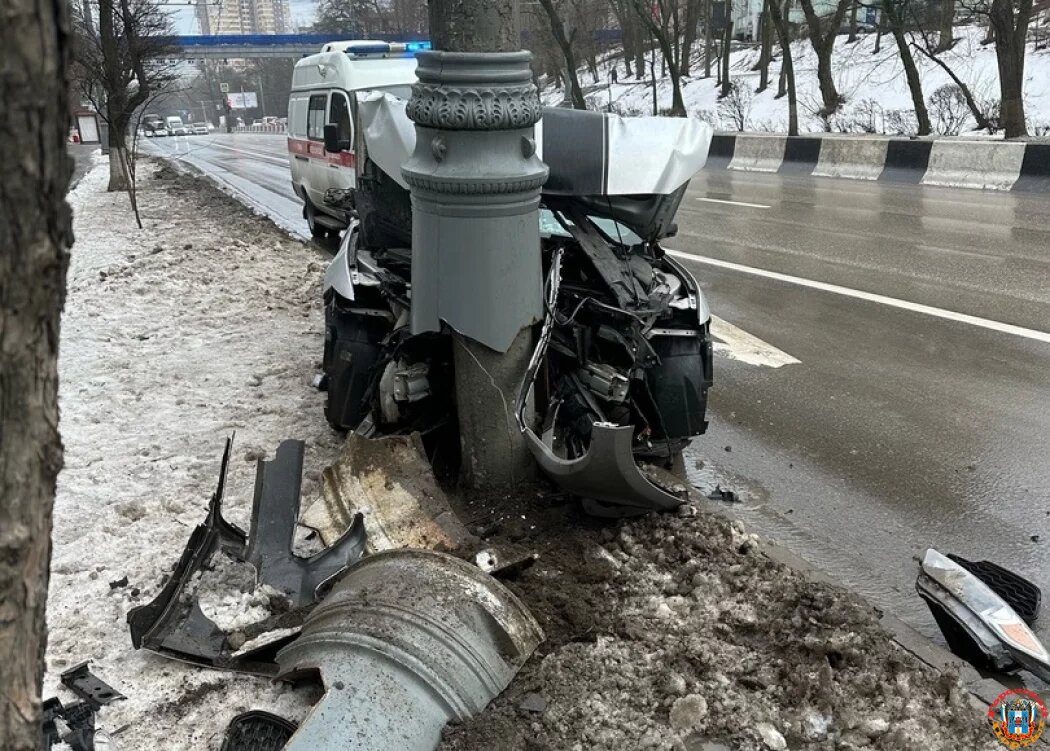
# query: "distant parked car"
[[160, 132], [200, 129]]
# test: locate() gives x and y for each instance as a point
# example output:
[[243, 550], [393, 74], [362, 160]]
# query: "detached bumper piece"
[[406, 641], [174, 625], [977, 623], [606, 475]]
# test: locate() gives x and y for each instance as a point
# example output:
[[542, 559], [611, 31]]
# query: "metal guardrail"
[[280, 129]]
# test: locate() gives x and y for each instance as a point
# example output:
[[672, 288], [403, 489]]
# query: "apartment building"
[[249, 17]]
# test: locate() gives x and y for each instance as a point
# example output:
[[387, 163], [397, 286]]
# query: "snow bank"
[[205, 323], [876, 91]]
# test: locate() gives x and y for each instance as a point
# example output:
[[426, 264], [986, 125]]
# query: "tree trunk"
[[946, 35], [652, 72], [708, 41], [558, 31], [727, 45], [1011, 32], [661, 37], [766, 55], [35, 234], [878, 34], [474, 26], [853, 23], [639, 51], [692, 17], [788, 67], [822, 36], [894, 17]]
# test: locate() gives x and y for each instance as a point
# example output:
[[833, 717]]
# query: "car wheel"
[[318, 231]]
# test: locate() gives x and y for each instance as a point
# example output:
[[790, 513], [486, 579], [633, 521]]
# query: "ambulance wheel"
[[317, 230]]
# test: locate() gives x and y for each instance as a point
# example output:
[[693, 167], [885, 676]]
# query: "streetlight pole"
[[475, 181]]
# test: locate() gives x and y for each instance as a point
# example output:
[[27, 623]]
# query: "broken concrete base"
[[390, 481]]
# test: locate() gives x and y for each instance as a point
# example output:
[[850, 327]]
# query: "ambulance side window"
[[339, 114], [315, 117]]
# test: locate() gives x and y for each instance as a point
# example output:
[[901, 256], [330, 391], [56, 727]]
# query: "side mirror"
[[331, 139]]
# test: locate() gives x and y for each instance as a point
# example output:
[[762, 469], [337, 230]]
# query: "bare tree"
[[895, 11], [822, 32], [1010, 19], [657, 17], [121, 67], [946, 35], [727, 39], [923, 42], [788, 65], [565, 44], [692, 19], [765, 55], [1008, 22], [35, 235], [854, 7]]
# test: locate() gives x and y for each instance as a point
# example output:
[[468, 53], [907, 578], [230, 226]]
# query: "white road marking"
[[268, 157], [735, 203], [737, 344], [893, 302]]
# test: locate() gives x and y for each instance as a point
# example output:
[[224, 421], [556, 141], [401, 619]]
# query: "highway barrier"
[[988, 165], [959, 163], [758, 153]]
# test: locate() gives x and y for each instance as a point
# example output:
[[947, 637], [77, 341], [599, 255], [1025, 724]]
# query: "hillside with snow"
[[876, 92]]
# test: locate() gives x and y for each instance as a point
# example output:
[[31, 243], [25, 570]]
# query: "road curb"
[[958, 163]]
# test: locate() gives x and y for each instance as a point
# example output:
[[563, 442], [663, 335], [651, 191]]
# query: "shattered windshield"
[[551, 227]]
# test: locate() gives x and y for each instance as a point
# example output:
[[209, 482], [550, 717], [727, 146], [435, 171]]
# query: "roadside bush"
[[902, 123], [948, 109], [735, 107]]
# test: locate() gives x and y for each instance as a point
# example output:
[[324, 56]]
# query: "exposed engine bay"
[[622, 366]]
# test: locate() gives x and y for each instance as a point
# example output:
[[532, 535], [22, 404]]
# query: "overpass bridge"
[[236, 46]]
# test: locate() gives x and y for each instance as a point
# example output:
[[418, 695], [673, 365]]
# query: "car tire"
[[317, 231]]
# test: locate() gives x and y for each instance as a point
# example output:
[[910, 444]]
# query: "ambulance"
[[323, 139]]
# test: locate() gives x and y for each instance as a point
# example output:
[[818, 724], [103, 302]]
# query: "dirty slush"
[[669, 632]]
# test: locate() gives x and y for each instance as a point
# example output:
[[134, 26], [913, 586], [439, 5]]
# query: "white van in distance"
[[322, 113], [175, 126]]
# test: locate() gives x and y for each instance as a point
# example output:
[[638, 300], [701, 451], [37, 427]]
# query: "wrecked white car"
[[623, 368]]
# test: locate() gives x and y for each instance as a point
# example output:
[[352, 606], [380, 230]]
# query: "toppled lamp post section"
[[475, 181]]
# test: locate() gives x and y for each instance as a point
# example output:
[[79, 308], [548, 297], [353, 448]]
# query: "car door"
[[341, 165], [315, 168]]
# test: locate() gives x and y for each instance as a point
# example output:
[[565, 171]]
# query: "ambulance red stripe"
[[315, 150]]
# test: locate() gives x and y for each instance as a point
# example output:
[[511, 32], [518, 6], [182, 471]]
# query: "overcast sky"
[[302, 12]]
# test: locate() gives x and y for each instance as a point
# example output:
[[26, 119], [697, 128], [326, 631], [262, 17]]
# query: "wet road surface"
[[918, 414]]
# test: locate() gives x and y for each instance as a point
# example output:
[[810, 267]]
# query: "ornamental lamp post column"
[[475, 182]]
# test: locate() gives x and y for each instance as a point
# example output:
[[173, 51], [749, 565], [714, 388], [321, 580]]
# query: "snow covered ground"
[[873, 84], [207, 322]]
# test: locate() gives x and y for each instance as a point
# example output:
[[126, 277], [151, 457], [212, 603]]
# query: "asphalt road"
[[918, 414]]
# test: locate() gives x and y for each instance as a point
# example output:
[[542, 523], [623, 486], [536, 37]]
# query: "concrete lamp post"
[[475, 181]]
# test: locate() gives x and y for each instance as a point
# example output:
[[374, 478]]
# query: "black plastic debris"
[[88, 687], [1019, 593], [174, 625], [258, 731], [74, 724], [725, 496]]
